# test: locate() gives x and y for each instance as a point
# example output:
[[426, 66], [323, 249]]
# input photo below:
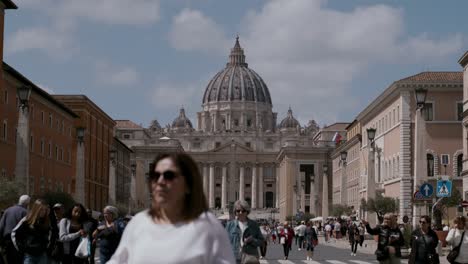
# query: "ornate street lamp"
[[80, 133], [421, 95], [371, 134], [24, 92], [112, 154], [344, 155], [325, 168]]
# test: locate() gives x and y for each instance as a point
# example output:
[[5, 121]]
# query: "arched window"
[[430, 165], [459, 164]]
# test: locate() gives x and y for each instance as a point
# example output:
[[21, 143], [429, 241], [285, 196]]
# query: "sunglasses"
[[167, 175], [422, 222], [241, 211]]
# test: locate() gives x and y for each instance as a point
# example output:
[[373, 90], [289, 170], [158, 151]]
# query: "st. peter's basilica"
[[241, 149]]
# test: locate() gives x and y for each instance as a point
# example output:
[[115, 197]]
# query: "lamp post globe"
[[24, 92], [371, 134], [344, 155], [421, 95]]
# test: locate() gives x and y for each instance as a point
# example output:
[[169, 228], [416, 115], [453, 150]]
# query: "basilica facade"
[[243, 152]]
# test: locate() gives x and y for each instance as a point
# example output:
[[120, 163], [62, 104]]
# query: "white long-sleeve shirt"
[[203, 240], [453, 238]]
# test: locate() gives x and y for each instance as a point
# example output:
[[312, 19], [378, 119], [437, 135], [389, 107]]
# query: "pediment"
[[233, 146]]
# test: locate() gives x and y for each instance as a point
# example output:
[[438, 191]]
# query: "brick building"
[[99, 136]]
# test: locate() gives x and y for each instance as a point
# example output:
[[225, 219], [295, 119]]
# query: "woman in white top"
[[177, 228], [455, 236]]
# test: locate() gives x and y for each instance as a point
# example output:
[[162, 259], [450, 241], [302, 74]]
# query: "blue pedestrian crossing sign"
[[444, 188], [426, 190]]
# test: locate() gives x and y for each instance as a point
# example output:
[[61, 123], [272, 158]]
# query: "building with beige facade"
[[463, 61], [393, 157], [241, 149]]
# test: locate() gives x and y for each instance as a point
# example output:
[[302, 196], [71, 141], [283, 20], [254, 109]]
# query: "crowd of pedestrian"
[[177, 227]]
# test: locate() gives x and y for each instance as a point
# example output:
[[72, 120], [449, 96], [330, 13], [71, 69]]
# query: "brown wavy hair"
[[195, 200], [33, 219]]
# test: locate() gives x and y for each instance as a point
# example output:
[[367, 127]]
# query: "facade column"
[[205, 180], [241, 182], [80, 174], [223, 187], [302, 190], [406, 192], [313, 196], [277, 176], [22, 150], [371, 217], [344, 198], [325, 192], [254, 186], [420, 159], [260, 187], [112, 182], [232, 182], [211, 202]]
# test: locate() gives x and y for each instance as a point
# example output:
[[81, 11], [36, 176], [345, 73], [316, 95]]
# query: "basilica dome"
[[182, 120], [289, 121], [237, 82]]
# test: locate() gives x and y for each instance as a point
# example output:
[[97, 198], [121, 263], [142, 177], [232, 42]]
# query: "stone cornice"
[[463, 61]]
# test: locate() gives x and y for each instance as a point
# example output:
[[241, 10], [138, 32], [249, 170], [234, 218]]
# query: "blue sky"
[[143, 59]]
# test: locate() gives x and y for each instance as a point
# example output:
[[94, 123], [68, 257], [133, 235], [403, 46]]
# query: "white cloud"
[[192, 30], [130, 12], [55, 43], [309, 54], [107, 73], [46, 88]]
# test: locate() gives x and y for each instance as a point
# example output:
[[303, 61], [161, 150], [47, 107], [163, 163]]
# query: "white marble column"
[[22, 152], [80, 174], [112, 183], [277, 185], [211, 200], [313, 196], [223, 187], [254, 186], [241, 182], [260, 187], [205, 180], [325, 192], [420, 159]]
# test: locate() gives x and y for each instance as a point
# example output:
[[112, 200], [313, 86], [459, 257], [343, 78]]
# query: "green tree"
[[9, 192], [338, 210], [382, 205]]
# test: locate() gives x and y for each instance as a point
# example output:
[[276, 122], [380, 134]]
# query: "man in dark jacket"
[[8, 222], [390, 240]]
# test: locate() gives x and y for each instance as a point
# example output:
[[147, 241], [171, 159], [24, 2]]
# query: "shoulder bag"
[[455, 251]]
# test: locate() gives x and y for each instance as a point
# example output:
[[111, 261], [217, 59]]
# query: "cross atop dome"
[[237, 56]]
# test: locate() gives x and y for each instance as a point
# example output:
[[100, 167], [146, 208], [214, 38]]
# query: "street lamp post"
[[112, 175], [344, 156], [325, 191], [420, 159], [371, 217], [132, 197], [22, 140], [80, 166]]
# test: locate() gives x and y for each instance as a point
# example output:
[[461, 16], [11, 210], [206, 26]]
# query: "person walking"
[[328, 230], [300, 233], [109, 233], [31, 235], [177, 227], [91, 226], [8, 222], [244, 234], [71, 229], [458, 235], [310, 240], [353, 236], [362, 231], [390, 240], [286, 238], [266, 239], [424, 243]]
